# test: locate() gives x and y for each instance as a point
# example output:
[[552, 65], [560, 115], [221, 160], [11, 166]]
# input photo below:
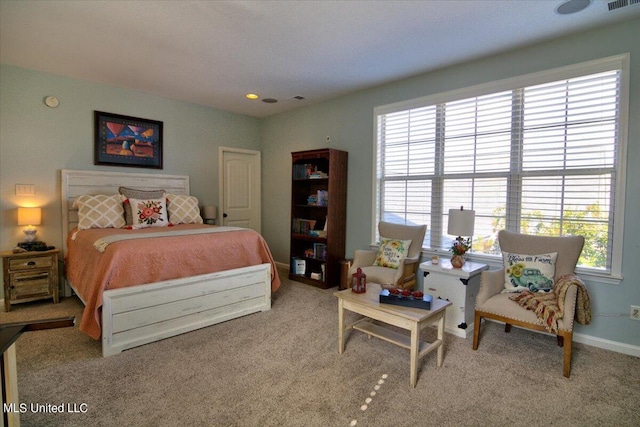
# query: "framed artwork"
[[127, 141]]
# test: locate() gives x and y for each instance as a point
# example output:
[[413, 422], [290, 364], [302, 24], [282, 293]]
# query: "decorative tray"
[[406, 298]]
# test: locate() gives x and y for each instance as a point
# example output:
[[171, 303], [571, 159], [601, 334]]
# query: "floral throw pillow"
[[392, 252], [534, 273], [134, 193], [149, 213]]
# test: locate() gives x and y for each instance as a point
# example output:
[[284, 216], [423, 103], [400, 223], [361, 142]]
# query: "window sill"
[[495, 263]]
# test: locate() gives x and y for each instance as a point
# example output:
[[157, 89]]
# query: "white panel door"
[[240, 186]]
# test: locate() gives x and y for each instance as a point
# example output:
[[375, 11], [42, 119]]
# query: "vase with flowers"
[[459, 248]]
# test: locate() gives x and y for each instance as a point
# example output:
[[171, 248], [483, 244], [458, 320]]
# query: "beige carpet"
[[282, 368]]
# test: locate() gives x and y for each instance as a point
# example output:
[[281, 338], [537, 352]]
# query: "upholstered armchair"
[[402, 277], [492, 303]]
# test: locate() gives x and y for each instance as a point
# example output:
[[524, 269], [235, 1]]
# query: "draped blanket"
[[102, 243], [549, 307]]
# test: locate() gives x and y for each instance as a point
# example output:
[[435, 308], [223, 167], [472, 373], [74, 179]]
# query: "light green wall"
[[36, 141], [349, 122]]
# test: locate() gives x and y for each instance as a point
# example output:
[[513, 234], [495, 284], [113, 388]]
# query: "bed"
[[140, 286]]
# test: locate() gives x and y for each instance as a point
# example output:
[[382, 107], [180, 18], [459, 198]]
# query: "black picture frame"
[[127, 141]]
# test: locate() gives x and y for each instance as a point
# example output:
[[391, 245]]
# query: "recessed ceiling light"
[[251, 96], [270, 100], [572, 6]]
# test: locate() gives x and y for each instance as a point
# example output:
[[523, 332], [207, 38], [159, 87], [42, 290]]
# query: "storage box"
[[298, 266], [407, 301]]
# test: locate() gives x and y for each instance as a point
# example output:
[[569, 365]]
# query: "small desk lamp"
[[209, 214], [30, 217]]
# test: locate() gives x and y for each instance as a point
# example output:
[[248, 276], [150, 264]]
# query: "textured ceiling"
[[213, 52]]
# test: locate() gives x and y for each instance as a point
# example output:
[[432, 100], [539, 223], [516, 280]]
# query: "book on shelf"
[[318, 233], [320, 251], [302, 226], [308, 171], [320, 198], [318, 175]]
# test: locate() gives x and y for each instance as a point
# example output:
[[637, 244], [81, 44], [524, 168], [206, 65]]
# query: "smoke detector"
[[572, 6]]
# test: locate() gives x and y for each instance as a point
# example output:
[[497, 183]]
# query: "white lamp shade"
[[461, 222], [29, 216], [210, 212]]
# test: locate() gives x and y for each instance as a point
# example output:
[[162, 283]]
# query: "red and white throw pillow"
[[149, 212]]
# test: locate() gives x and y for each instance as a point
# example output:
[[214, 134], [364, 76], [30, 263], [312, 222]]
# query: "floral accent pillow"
[[135, 193], [183, 209], [99, 211], [392, 252], [149, 213], [534, 273]]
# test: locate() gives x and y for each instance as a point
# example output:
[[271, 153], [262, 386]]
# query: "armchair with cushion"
[[553, 311], [405, 275]]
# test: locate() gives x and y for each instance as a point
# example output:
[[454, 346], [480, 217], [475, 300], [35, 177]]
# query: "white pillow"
[[99, 211], [529, 272], [392, 252], [149, 213], [183, 209]]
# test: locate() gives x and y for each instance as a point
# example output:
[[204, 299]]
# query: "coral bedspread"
[[154, 259]]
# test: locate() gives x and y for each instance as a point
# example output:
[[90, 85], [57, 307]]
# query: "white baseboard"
[[618, 347], [282, 265]]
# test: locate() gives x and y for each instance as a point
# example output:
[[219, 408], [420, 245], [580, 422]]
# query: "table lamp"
[[30, 217], [209, 214], [461, 223]]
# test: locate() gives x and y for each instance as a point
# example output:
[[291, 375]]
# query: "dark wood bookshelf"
[[314, 172]]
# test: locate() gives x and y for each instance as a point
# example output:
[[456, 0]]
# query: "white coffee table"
[[411, 319]]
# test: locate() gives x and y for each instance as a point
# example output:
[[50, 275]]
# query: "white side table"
[[458, 285]]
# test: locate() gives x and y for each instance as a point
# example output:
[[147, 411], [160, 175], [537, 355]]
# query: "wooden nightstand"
[[30, 276]]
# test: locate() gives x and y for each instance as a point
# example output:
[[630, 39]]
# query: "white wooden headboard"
[[78, 182]]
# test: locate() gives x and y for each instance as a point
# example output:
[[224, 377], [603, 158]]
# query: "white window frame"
[[621, 62]]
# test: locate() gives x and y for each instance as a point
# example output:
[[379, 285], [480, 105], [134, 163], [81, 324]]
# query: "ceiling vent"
[[617, 4]]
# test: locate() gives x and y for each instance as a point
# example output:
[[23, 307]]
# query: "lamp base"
[[30, 234]]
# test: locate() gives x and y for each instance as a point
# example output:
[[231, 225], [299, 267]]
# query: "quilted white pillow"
[[149, 213], [183, 209], [99, 211]]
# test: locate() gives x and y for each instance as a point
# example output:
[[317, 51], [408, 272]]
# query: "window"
[[539, 154]]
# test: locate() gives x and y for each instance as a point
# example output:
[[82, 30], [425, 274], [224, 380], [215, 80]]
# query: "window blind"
[[537, 159]]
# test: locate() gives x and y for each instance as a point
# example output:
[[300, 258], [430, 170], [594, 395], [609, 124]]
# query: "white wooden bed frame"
[[142, 314]]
